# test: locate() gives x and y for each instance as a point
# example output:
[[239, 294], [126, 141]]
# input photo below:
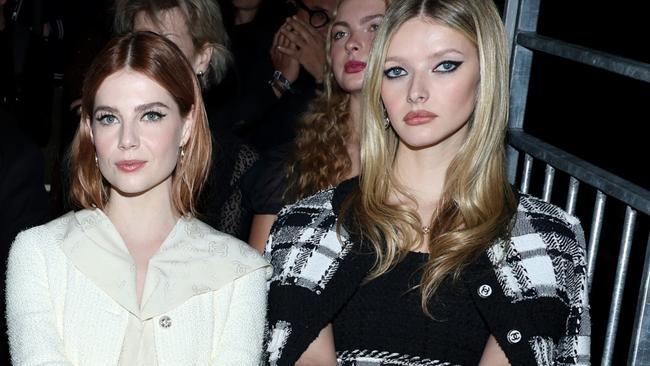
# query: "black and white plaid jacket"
[[316, 271]]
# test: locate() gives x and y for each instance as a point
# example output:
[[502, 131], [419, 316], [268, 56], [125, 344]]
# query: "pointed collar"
[[193, 259]]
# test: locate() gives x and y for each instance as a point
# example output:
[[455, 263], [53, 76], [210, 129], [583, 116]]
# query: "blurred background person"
[[326, 150]]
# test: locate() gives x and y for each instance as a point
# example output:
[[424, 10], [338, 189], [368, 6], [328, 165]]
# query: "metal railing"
[[521, 17]]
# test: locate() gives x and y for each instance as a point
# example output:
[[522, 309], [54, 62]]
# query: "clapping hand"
[[307, 46]]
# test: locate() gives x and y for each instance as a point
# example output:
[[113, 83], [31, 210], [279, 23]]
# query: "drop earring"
[[182, 154], [386, 118]]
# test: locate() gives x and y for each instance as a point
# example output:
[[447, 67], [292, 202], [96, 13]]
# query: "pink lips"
[[419, 117], [130, 165], [353, 66]]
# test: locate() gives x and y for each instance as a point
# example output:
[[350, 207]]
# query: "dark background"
[[594, 114]]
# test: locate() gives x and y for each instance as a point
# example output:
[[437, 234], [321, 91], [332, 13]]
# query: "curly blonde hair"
[[320, 155]]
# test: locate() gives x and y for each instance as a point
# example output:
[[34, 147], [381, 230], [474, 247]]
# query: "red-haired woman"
[[134, 277]]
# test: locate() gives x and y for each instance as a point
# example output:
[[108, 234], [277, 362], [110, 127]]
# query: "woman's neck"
[[424, 169], [136, 218], [422, 174]]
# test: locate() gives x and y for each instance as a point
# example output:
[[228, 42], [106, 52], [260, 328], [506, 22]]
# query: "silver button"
[[484, 291], [514, 336], [165, 321]]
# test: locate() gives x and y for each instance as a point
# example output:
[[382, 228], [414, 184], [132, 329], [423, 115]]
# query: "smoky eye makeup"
[[394, 72]]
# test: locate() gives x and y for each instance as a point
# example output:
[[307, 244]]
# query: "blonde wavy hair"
[[477, 202], [320, 157]]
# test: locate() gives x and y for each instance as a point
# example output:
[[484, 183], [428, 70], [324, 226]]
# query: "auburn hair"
[[160, 60]]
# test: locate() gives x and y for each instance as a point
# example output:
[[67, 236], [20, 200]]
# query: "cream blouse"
[[179, 270]]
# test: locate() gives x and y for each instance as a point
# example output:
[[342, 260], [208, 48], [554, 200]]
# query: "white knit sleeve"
[[240, 343], [33, 337]]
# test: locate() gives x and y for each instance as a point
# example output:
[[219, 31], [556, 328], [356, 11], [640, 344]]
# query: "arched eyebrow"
[[369, 18], [105, 108], [433, 55], [364, 20], [144, 107], [138, 109]]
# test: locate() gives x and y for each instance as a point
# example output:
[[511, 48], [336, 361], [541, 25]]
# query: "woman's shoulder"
[[216, 245], [43, 240], [543, 214], [306, 246], [311, 219], [49, 233], [545, 227], [318, 205], [545, 251], [326, 202], [541, 273]]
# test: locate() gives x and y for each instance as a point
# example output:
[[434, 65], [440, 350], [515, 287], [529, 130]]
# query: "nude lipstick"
[[129, 166], [419, 117]]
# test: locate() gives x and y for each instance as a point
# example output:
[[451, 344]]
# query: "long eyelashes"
[[394, 72], [106, 118], [446, 66], [153, 116]]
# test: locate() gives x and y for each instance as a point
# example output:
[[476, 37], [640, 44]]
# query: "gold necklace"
[[426, 229]]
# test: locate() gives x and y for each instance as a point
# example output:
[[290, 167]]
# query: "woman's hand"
[[282, 60], [309, 46]]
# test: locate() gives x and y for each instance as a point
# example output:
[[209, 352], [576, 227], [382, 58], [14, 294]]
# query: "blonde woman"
[[134, 278], [430, 257]]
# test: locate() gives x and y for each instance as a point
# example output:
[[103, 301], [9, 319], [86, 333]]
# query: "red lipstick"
[[130, 165], [353, 66], [419, 117]]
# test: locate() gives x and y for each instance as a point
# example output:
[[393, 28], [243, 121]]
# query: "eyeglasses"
[[317, 18]]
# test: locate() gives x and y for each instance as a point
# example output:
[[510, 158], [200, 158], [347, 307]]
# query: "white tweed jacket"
[[205, 292]]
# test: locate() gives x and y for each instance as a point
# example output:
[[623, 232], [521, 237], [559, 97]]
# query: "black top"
[[221, 202], [386, 315], [265, 182]]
